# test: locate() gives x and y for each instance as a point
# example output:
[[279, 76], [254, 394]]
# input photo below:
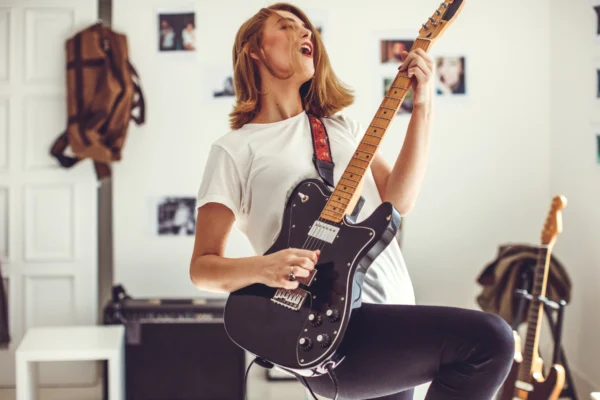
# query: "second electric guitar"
[[525, 381]]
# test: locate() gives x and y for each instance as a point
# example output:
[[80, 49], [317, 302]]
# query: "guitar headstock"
[[441, 19], [553, 225]]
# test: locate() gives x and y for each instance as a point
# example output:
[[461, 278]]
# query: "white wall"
[[490, 178], [575, 122]]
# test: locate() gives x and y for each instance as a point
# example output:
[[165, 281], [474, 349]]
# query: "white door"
[[47, 214]]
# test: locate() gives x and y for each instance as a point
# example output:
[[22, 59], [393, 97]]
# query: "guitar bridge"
[[291, 299]]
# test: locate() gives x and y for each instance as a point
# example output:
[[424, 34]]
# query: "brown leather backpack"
[[103, 89]]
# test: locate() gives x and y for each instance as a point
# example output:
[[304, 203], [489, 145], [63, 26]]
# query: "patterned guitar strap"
[[323, 160]]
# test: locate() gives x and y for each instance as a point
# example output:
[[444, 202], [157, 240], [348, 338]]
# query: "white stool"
[[71, 343]]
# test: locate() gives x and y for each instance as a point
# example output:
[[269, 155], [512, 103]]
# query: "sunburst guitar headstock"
[[441, 19], [553, 224]]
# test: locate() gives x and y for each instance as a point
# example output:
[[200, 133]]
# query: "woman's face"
[[276, 45]]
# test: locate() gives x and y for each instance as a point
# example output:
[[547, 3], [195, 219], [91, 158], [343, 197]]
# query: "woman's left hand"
[[420, 70]]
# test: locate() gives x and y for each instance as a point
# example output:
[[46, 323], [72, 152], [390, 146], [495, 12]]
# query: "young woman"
[[281, 73]]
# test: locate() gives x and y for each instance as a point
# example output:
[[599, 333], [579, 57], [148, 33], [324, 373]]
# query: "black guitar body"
[[302, 330]]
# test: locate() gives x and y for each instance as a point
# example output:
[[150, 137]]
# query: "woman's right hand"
[[276, 268]]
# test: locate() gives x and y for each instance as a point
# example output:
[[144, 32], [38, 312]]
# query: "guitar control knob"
[[305, 343], [324, 340], [315, 319], [333, 314]]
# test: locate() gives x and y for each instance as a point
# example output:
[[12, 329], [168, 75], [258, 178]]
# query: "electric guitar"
[[301, 330], [525, 380]]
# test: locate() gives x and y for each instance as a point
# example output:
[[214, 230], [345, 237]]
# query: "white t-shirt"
[[252, 171]]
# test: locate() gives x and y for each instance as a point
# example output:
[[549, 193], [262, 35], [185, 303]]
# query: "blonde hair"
[[323, 95]]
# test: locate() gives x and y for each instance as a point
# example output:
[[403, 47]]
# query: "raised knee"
[[498, 335]]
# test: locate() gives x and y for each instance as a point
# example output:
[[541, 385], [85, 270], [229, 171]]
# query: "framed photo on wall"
[[218, 84], [450, 75], [173, 215], [595, 4], [597, 133], [595, 89], [176, 30]]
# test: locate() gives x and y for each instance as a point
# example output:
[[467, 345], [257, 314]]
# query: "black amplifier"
[[176, 349]]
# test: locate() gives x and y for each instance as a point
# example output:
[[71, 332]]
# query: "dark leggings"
[[465, 354]]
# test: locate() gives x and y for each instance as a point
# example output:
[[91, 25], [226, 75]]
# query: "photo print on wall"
[[595, 89], [598, 147], [450, 75], [596, 10], [175, 216], [176, 30], [218, 81], [391, 51]]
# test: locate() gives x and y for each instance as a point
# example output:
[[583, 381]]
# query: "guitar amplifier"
[[176, 349]]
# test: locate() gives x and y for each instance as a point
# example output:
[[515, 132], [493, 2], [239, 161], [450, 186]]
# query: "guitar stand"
[[558, 356]]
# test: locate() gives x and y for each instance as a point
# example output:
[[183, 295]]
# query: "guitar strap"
[[322, 157]]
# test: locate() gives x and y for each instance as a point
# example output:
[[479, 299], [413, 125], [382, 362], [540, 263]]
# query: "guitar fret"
[[342, 204], [350, 193], [369, 144], [353, 187], [352, 174], [388, 119], [366, 152], [348, 179], [339, 196], [388, 108], [391, 97], [378, 127], [357, 166], [377, 136], [354, 171], [331, 214], [399, 87], [333, 210]]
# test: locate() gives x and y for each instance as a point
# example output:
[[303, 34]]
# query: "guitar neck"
[[535, 313], [345, 194]]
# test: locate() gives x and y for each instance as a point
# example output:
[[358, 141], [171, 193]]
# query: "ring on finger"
[[291, 276]]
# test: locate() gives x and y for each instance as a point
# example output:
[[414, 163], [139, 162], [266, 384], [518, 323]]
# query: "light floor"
[[259, 388]]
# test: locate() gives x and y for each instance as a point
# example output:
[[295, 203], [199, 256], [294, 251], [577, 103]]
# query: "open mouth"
[[306, 49]]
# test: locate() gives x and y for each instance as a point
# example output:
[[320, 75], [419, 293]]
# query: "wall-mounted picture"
[[176, 31], [597, 82], [226, 88], [218, 81], [598, 148], [450, 75], [391, 51], [597, 9], [595, 89], [407, 105], [175, 216]]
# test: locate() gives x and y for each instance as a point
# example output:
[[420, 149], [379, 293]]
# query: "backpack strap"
[[323, 160], [139, 103]]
